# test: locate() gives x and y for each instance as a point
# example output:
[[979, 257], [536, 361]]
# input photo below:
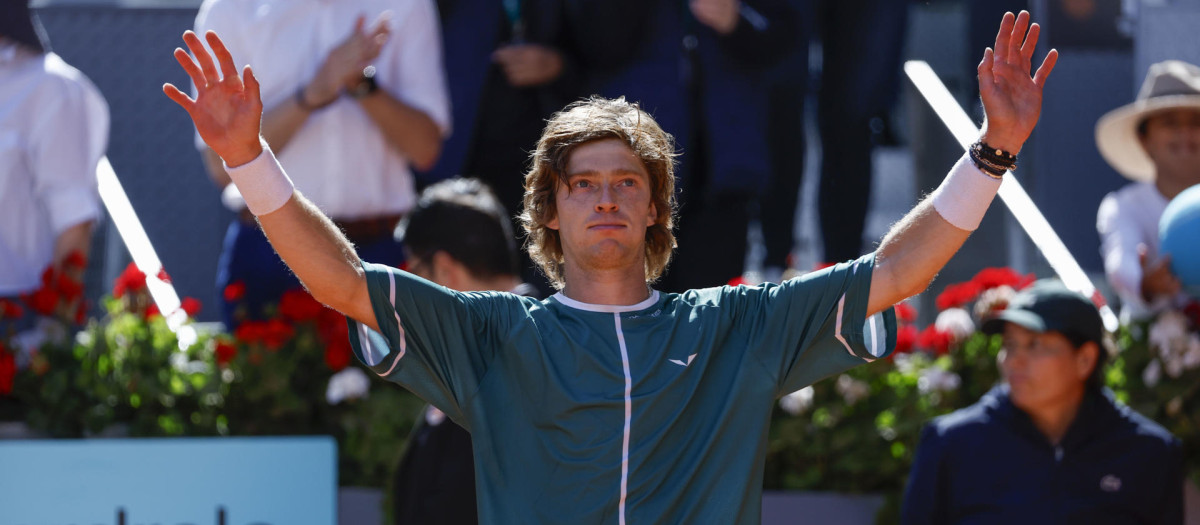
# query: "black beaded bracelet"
[[994, 155], [989, 168], [993, 161]]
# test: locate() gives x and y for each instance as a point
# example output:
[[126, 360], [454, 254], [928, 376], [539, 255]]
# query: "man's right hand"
[[227, 112], [342, 68], [1157, 279]]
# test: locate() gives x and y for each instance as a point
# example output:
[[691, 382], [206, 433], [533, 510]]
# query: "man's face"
[[1041, 368], [604, 213], [1172, 140]]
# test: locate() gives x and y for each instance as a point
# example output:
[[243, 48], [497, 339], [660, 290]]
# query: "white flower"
[[907, 363], [797, 402], [1152, 373], [1169, 332], [993, 300], [934, 379], [956, 322], [1174, 365], [1191, 357], [852, 390], [351, 383]]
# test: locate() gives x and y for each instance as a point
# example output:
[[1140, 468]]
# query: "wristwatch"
[[366, 85]]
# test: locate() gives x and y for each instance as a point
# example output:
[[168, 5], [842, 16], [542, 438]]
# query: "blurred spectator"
[[53, 131], [698, 67], [1050, 445], [861, 44], [981, 33], [354, 96], [507, 71], [1155, 141], [458, 236]]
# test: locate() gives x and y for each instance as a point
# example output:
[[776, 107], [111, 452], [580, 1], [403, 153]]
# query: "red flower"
[[906, 312], [989, 278], [75, 260], [957, 295], [738, 281], [906, 337], [224, 353], [162, 275], [11, 309], [250, 332], [130, 280], [337, 354], [8, 371], [152, 311], [190, 305], [933, 339], [48, 276], [44, 301], [235, 291], [70, 288], [298, 306], [1192, 311], [276, 333], [81, 313]]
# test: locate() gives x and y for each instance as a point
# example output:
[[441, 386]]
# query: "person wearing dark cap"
[[1050, 444], [53, 131]]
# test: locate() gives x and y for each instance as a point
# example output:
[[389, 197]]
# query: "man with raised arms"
[[609, 401]]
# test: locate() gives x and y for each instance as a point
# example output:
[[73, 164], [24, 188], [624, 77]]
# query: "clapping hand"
[[1012, 99], [342, 68], [227, 111], [720, 15]]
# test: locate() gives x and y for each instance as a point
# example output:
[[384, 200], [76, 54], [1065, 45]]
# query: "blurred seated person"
[[1155, 141], [1050, 444], [53, 131], [458, 236]]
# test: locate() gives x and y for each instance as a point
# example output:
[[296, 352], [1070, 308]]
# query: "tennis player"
[[611, 402]]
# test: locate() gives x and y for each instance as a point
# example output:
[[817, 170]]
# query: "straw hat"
[[1169, 85]]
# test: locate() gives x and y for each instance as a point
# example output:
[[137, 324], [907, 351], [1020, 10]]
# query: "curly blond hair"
[[598, 118]]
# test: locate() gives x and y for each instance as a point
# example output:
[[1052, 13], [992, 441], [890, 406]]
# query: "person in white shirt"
[[1155, 141], [355, 98], [53, 131]]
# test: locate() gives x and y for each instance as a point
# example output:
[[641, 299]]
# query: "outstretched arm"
[[923, 241], [227, 113]]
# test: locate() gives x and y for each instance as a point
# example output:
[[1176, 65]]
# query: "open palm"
[[1012, 99], [227, 112]]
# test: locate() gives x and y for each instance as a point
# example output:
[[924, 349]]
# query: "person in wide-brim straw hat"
[[1155, 142]]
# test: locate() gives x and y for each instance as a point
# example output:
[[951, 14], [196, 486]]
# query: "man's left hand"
[[527, 65], [720, 15], [1012, 100]]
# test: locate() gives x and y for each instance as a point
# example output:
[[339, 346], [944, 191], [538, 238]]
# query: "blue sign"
[[179, 481]]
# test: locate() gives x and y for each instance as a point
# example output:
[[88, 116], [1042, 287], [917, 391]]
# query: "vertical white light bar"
[[144, 256]]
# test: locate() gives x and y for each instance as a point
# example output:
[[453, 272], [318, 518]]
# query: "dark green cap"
[[1048, 306]]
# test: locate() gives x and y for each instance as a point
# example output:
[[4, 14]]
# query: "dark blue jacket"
[[987, 463], [471, 31], [690, 78]]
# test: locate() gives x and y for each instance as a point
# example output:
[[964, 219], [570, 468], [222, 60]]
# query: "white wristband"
[[262, 183], [965, 194]]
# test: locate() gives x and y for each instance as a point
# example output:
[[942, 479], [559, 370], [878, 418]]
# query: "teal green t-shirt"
[[651, 413]]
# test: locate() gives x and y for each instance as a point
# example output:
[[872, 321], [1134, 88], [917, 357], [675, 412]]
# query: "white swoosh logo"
[[683, 364]]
